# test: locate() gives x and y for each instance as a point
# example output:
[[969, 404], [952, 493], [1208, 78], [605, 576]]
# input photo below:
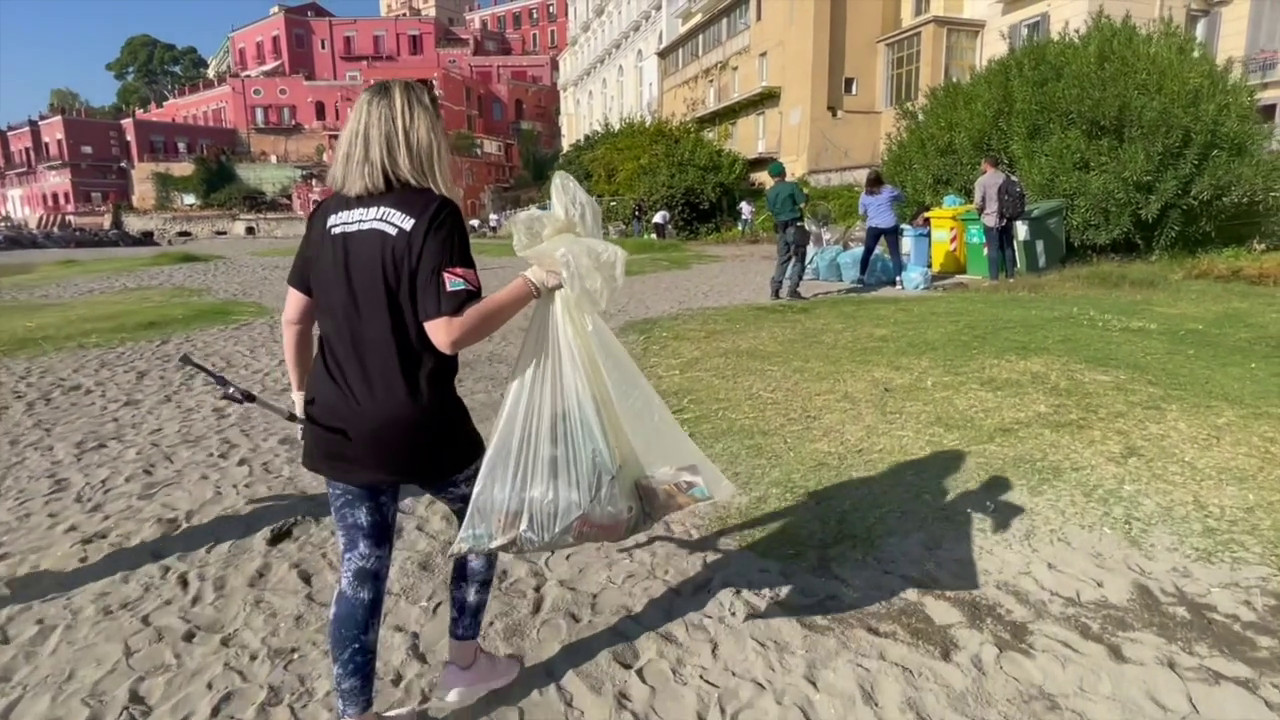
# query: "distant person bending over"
[[747, 214], [386, 273], [661, 220], [879, 205], [786, 202], [997, 230]]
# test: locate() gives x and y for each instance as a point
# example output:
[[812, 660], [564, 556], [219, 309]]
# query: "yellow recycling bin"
[[946, 239]]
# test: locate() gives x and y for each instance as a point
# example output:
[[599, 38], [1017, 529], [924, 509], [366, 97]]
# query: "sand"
[[164, 556]]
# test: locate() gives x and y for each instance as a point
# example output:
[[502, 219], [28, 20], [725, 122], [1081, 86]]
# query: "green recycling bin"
[[1040, 236], [975, 244]]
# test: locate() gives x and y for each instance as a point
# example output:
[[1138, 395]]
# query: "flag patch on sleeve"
[[461, 279]]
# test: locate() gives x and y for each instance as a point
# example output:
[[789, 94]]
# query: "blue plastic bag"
[[879, 270], [916, 278], [811, 263], [848, 261], [829, 263]]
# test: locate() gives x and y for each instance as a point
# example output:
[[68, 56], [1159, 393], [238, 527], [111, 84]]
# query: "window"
[[502, 23], [712, 98], [95, 198], [259, 115], [517, 20], [733, 134], [851, 86], [282, 91], [86, 149], [286, 115], [533, 41], [497, 110], [762, 67], [181, 145], [275, 46], [920, 7], [759, 132], [242, 58], [533, 16], [1029, 30], [551, 12], [353, 76], [259, 55], [902, 67], [349, 44], [320, 108], [484, 23], [380, 44], [299, 40], [1205, 26], [961, 55], [324, 45], [256, 92], [551, 38]]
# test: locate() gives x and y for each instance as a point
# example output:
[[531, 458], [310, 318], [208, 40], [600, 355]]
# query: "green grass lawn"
[[33, 327], [646, 255], [25, 274], [1113, 396]]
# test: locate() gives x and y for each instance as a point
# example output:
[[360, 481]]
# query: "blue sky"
[[35, 59]]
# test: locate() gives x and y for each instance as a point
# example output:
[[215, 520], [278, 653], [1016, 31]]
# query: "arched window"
[[621, 90], [320, 111], [591, 109]]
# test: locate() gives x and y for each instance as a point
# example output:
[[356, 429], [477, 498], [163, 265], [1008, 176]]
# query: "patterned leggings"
[[366, 522]]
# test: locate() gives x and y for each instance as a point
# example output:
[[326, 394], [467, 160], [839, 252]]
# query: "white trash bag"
[[583, 450]]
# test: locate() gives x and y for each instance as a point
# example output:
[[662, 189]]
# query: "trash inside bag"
[[848, 261], [583, 449], [916, 278], [828, 263]]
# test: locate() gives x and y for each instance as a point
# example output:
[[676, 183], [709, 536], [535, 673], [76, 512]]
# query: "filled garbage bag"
[[828, 263], [583, 449], [916, 278], [848, 261], [879, 270]]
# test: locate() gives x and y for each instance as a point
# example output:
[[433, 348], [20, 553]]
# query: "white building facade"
[[609, 70]]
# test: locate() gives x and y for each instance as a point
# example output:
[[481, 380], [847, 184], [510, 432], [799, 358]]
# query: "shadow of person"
[[908, 531], [278, 512]]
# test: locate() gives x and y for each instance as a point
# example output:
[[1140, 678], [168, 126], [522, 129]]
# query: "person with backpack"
[[786, 202], [1000, 200]]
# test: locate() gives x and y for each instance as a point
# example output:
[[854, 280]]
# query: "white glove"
[[299, 408], [547, 282]]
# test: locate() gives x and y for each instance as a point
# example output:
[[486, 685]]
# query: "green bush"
[[1152, 144], [667, 164]]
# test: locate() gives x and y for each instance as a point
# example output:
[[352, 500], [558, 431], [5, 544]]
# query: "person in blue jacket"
[[879, 205]]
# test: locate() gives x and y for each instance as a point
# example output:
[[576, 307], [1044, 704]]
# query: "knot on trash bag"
[[567, 239]]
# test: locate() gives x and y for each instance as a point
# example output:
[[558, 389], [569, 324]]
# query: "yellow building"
[[453, 12], [813, 82]]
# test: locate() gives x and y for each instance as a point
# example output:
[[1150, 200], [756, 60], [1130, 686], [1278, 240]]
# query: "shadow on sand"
[[914, 537], [277, 512]]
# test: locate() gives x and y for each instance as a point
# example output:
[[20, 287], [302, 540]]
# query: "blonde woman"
[[386, 273]]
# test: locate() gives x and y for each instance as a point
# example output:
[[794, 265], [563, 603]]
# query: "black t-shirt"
[[381, 403]]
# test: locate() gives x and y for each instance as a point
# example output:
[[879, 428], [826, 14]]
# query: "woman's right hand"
[[546, 281]]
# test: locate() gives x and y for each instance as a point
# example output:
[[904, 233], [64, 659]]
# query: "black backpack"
[[1012, 198]]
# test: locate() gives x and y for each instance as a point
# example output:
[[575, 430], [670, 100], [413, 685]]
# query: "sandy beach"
[[165, 557]]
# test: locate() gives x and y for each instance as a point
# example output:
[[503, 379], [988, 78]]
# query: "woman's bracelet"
[[533, 286]]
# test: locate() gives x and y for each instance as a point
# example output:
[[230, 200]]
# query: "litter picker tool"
[[236, 394]]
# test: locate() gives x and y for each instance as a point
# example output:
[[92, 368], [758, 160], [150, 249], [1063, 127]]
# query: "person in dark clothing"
[[386, 273], [637, 218], [785, 201]]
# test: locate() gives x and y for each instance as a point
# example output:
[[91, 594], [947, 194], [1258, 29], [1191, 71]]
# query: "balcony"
[[17, 168], [166, 157], [1262, 67], [329, 127], [740, 105]]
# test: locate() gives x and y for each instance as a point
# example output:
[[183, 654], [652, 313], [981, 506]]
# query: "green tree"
[[150, 70], [67, 99], [463, 142], [536, 165], [1152, 144], [667, 164]]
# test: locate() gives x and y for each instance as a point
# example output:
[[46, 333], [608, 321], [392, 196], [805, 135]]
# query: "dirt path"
[[165, 557]]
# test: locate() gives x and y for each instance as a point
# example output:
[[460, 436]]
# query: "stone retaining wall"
[[181, 226]]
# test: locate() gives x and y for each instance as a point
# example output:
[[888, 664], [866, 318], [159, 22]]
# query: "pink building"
[[541, 24], [60, 164], [293, 76]]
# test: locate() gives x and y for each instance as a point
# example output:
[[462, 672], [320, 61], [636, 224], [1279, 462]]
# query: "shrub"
[[667, 164], [1153, 146]]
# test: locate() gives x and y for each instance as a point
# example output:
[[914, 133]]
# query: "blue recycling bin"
[[917, 240]]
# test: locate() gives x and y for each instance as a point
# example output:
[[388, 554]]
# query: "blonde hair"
[[394, 138]]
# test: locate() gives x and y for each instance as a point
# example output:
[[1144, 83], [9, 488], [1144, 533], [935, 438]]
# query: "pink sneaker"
[[488, 672]]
